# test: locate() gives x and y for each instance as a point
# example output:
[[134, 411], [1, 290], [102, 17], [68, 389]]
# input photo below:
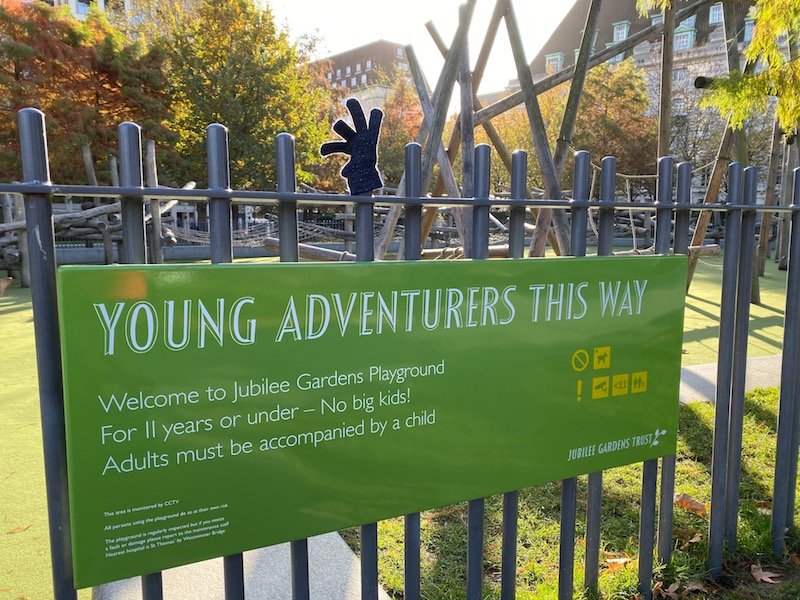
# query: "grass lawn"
[[24, 554]]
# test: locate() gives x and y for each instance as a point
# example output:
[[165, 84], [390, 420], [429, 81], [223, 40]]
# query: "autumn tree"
[[613, 119], [229, 63], [401, 122], [83, 75]]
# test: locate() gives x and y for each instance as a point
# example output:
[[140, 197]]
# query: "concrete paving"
[[698, 383], [334, 569], [334, 574]]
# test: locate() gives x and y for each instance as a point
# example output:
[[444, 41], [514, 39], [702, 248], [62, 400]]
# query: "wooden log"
[[769, 196], [542, 146], [576, 88], [464, 215], [313, 252], [665, 94], [154, 229]]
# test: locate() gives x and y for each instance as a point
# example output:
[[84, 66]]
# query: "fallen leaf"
[[794, 558], [695, 539], [763, 576], [691, 504], [613, 564], [19, 529], [696, 586]]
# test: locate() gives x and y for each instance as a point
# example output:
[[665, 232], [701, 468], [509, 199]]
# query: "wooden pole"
[[576, 88], [156, 249], [464, 216], [539, 133], [665, 96]]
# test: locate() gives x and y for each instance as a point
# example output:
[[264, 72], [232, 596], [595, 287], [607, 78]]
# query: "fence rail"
[[672, 210]]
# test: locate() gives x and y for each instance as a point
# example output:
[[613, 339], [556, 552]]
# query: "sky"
[[347, 24]]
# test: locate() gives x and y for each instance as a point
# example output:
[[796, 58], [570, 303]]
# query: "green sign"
[[215, 409]]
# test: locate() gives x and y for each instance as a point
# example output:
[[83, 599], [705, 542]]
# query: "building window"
[[347, 70], [369, 65], [82, 8], [353, 82], [657, 19], [621, 30], [683, 40], [688, 23], [577, 52], [344, 83], [338, 73], [364, 79], [330, 76], [748, 30], [554, 62], [358, 67], [716, 14], [400, 53], [617, 59]]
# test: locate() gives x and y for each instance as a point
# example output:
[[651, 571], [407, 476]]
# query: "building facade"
[[364, 71]]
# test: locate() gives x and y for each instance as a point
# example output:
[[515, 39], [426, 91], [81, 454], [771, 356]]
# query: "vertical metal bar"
[[516, 225], [580, 193], [681, 240], [369, 561], [719, 459], [41, 249], [566, 544], [735, 420], [134, 252], [480, 249], [782, 511], [480, 210], [413, 233], [508, 574], [413, 211], [680, 246], [605, 226], [287, 209], [475, 530], [647, 527], [132, 211], [647, 514], [605, 244], [516, 249], [219, 209], [365, 252], [664, 205], [220, 232], [289, 252]]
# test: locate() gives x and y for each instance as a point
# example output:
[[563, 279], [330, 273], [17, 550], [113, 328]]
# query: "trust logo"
[[657, 434]]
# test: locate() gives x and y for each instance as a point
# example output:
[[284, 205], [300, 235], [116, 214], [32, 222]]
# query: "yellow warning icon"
[[638, 382], [620, 385], [600, 387], [602, 357]]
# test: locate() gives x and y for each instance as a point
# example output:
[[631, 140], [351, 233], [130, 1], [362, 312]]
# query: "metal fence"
[[672, 210]]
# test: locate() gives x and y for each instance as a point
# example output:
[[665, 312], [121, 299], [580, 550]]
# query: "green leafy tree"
[[228, 63], [84, 76]]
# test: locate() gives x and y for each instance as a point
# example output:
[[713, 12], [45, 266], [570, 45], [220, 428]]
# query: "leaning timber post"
[[766, 218], [155, 248], [22, 244], [665, 97], [791, 162], [539, 133], [464, 216], [576, 87]]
